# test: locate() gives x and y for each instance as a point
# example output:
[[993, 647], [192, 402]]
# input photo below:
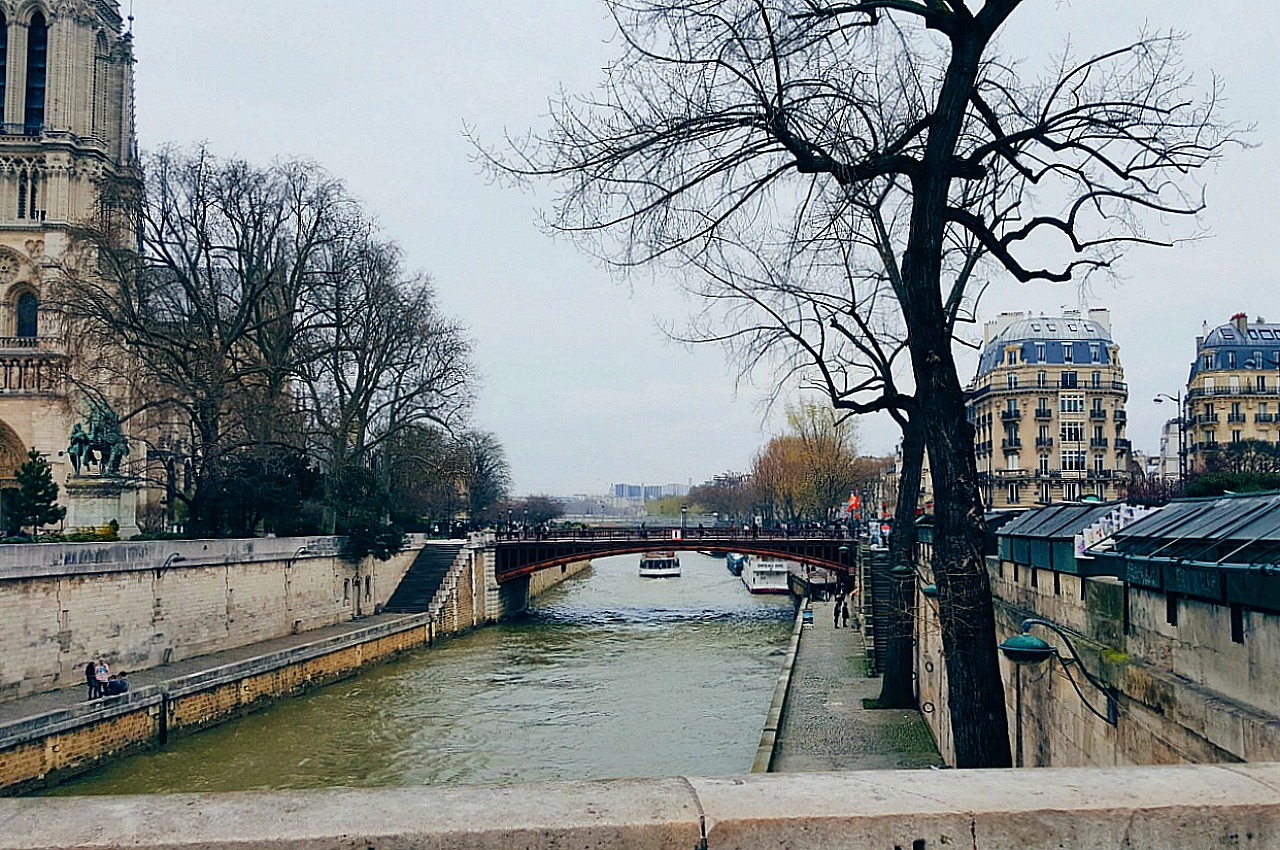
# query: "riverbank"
[[47, 737], [824, 725]]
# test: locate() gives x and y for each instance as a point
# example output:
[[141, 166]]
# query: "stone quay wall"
[[140, 605], [1187, 693], [41, 750], [1203, 806]]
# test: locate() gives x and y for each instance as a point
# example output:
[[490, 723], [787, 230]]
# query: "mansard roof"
[[1229, 347], [1046, 339]]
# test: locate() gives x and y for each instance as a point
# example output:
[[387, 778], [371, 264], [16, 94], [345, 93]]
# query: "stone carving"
[[101, 443]]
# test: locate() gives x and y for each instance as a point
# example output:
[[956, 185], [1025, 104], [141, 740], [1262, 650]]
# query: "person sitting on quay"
[[117, 684]]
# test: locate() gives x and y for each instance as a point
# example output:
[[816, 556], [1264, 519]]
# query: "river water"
[[611, 676]]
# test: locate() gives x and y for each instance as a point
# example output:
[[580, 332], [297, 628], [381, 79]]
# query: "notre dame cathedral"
[[66, 84]]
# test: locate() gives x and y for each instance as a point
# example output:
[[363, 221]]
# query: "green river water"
[[611, 676]]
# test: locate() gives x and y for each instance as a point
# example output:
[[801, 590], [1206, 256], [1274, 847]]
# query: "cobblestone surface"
[[825, 726]]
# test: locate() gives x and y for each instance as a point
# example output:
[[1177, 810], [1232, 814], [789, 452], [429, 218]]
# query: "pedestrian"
[[102, 675], [117, 684], [844, 612], [839, 603], [91, 679]]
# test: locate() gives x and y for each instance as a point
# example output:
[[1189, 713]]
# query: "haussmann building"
[[1047, 407]]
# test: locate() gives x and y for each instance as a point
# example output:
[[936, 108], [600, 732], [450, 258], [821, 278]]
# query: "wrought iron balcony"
[[1236, 417], [1120, 416], [1007, 415], [1044, 413], [1098, 413], [1123, 444], [1098, 442], [1044, 442], [1011, 445], [1264, 417]]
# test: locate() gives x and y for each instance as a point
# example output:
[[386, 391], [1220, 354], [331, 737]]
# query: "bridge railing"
[[667, 533]]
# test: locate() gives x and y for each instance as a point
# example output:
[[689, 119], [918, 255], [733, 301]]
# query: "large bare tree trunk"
[[897, 687]]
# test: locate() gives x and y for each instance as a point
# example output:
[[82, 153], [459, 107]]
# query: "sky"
[[578, 380]]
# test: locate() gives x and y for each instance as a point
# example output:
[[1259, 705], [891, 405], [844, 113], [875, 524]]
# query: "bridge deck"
[[519, 554]]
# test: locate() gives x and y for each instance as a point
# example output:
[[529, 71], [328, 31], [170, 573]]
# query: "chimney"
[[1241, 321], [1102, 316]]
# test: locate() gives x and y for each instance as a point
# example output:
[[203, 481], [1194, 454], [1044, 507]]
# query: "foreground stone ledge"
[[1159, 807]]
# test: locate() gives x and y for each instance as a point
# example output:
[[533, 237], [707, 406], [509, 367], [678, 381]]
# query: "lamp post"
[[684, 513], [1026, 649], [1182, 433]]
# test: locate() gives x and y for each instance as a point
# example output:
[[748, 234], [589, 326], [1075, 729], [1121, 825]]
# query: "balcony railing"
[[1098, 442], [1120, 416], [31, 373], [1098, 413], [1246, 389], [1044, 442], [1044, 413], [1204, 418], [1007, 415], [1236, 417], [1264, 417], [1123, 444], [1011, 445]]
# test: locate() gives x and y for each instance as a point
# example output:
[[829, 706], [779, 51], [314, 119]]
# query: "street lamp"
[[684, 513], [1182, 433], [1026, 649]]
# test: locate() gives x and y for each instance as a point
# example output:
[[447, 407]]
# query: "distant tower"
[[1047, 407], [66, 85]]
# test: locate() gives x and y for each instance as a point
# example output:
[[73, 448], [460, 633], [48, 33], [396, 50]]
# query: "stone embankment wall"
[[41, 750], [1203, 807], [1187, 692], [138, 606]]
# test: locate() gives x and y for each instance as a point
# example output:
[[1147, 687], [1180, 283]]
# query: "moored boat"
[[765, 575], [659, 565], [734, 561]]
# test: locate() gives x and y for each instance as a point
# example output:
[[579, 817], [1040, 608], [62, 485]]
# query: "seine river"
[[611, 676]]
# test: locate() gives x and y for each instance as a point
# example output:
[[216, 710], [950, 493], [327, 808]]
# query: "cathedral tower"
[[66, 87]]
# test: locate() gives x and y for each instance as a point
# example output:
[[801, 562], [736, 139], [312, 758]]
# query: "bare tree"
[[172, 296], [777, 117]]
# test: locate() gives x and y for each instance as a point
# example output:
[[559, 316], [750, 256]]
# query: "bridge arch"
[[522, 556]]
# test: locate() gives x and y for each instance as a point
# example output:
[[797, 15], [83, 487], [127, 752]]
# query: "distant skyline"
[[579, 384]]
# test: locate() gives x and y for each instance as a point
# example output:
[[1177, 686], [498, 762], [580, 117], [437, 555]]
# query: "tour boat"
[[734, 562], [659, 565], [765, 575]]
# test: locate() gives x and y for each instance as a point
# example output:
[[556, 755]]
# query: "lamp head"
[[902, 571], [930, 590], [1027, 649]]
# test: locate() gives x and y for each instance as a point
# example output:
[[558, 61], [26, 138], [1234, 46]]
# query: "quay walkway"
[[825, 726], [73, 697]]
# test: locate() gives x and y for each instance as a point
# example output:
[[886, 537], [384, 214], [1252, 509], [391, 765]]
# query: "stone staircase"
[[423, 579]]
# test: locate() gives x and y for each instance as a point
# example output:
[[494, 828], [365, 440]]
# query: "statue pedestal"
[[94, 500]]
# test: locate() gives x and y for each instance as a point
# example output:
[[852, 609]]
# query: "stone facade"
[[121, 602], [67, 74], [1047, 406], [1188, 692], [1233, 393]]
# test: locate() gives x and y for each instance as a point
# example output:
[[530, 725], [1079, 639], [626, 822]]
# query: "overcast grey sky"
[[579, 383]]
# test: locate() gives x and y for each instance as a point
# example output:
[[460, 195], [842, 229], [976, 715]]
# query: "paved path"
[[826, 728], [11, 710]]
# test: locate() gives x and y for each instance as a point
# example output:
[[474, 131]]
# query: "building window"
[[1206, 362], [1072, 460], [1068, 353], [1012, 357], [1013, 382], [4, 54], [1014, 496], [1095, 353], [1231, 360], [1171, 608], [1096, 380], [1099, 462], [1071, 402], [1044, 465], [1262, 383], [37, 65], [1071, 491], [1040, 353], [1235, 435], [1042, 379], [1072, 432], [1069, 380], [1046, 494], [28, 315]]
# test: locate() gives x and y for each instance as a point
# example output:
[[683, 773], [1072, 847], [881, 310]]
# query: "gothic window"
[[37, 67], [28, 315], [4, 54]]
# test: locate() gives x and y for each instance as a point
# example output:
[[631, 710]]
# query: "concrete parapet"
[[1186, 806]]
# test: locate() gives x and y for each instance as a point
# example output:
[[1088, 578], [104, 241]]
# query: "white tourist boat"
[[765, 575], [659, 565]]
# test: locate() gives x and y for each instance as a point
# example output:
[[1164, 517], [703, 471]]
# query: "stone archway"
[[13, 453]]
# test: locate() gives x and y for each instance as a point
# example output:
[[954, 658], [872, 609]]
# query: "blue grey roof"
[[1055, 335], [1258, 347], [1056, 522]]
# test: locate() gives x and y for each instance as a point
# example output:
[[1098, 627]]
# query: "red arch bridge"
[[518, 554]]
